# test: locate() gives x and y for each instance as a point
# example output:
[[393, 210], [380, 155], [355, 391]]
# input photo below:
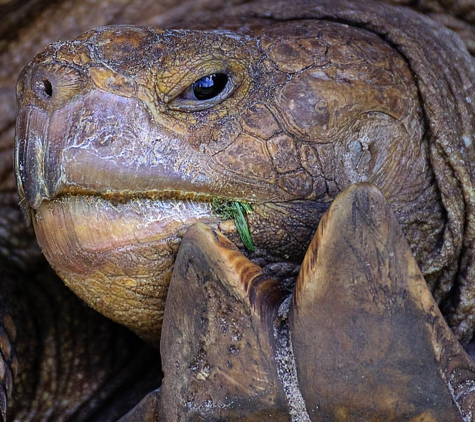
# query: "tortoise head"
[[126, 135]]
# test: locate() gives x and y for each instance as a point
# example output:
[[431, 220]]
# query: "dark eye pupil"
[[209, 86]]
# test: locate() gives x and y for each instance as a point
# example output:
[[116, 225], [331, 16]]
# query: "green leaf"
[[236, 211], [242, 227]]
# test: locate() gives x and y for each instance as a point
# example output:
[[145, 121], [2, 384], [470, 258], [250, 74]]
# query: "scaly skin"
[[285, 136], [118, 138]]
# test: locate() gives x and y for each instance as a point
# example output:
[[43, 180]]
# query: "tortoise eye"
[[205, 92], [209, 86]]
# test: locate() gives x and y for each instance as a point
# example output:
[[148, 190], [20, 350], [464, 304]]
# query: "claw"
[[368, 338], [216, 345]]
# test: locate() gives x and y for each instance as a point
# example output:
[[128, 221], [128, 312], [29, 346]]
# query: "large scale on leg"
[[367, 340]]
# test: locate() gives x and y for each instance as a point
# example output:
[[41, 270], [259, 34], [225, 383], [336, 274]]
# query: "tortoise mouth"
[[118, 256], [97, 223]]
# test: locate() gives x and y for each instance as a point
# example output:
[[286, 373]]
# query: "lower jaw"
[[119, 258]]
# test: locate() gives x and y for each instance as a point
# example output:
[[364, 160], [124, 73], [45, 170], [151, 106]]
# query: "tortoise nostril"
[[53, 84], [44, 88]]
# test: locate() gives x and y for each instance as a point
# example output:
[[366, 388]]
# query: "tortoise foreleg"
[[369, 341]]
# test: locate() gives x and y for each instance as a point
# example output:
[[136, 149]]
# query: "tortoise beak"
[[29, 159]]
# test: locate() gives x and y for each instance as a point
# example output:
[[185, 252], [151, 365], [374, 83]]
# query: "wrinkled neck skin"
[[116, 159], [57, 355]]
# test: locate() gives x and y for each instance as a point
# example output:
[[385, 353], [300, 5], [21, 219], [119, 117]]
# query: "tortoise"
[[280, 109]]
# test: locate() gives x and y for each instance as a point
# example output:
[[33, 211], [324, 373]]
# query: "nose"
[[49, 85]]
